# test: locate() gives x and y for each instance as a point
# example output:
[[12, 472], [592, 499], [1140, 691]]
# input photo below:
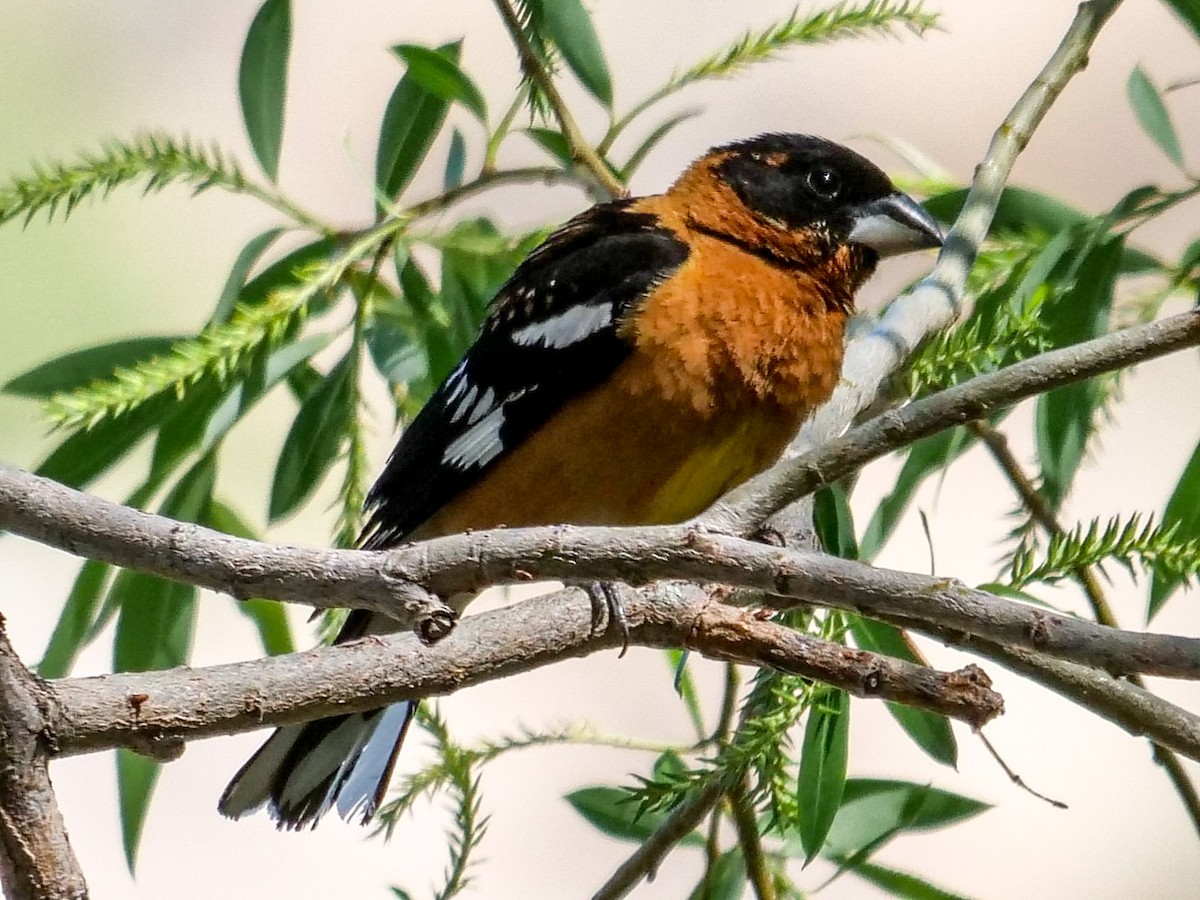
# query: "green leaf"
[[262, 81], [88, 453], [441, 76], [314, 441], [611, 810], [1021, 209], [685, 686], [81, 367], [822, 777], [553, 143], [834, 522], [136, 778], [874, 810], [268, 616], [397, 353], [643, 149], [569, 26], [1189, 12], [1063, 419], [283, 272], [931, 732], [1183, 512], [154, 631], [727, 878], [456, 162], [245, 261], [412, 119], [1153, 115], [924, 457], [902, 884], [75, 620]]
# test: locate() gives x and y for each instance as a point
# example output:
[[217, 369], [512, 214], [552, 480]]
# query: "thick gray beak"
[[894, 224]]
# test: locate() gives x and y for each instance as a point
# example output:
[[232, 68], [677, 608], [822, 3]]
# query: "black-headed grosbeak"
[[649, 356]]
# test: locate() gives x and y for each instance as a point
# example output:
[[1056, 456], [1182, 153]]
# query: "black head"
[[799, 182]]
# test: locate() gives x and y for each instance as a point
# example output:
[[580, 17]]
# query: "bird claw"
[[604, 596], [436, 625]]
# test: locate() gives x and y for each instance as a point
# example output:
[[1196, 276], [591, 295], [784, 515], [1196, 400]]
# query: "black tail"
[[303, 771]]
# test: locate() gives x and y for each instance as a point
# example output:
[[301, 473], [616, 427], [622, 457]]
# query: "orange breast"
[[731, 354]]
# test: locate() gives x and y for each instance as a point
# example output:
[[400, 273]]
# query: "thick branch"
[[36, 861], [151, 711], [389, 581], [744, 508]]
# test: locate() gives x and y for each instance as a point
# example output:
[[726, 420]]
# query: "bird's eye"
[[825, 182]]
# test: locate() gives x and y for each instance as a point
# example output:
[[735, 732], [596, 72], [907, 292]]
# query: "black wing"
[[551, 334]]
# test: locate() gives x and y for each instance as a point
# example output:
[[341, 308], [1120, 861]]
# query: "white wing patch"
[[479, 444], [566, 328]]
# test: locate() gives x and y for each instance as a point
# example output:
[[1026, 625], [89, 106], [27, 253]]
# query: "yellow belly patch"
[[714, 467]]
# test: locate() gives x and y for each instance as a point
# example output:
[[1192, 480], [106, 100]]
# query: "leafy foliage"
[[397, 300], [1135, 543]]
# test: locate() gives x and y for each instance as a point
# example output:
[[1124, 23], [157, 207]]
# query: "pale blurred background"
[[72, 73]]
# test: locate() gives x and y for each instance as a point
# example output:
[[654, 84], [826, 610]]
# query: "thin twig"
[[644, 861], [581, 149], [1035, 502], [92, 714], [491, 179], [751, 842]]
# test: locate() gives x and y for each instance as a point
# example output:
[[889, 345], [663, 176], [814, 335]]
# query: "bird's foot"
[[606, 603]]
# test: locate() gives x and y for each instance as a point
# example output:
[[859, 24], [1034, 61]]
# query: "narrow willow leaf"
[[154, 631], [643, 149], [136, 778], [874, 810], [726, 880], [285, 272], [930, 731], [834, 522], [553, 143], [1189, 12], [81, 367], [822, 777], [611, 810], [313, 442], [246, 260], [1182, 511], [88, 453], [268, 616], [1064, 416], [456, 162], [75, 620], [262, 81], [1153, 115], [924, 457], [398, 353], [685, 686], [902, 884], [568, 24], [441, 76], [412, 119], [1021, 209]]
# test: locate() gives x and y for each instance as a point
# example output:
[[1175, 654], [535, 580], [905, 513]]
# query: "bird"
[[650, 355]]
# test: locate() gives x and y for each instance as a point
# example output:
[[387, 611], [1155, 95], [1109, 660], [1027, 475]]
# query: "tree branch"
[[150, 712], [1039, 508], [935, 301], [36, 860], [741, 510], [581, 149]]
